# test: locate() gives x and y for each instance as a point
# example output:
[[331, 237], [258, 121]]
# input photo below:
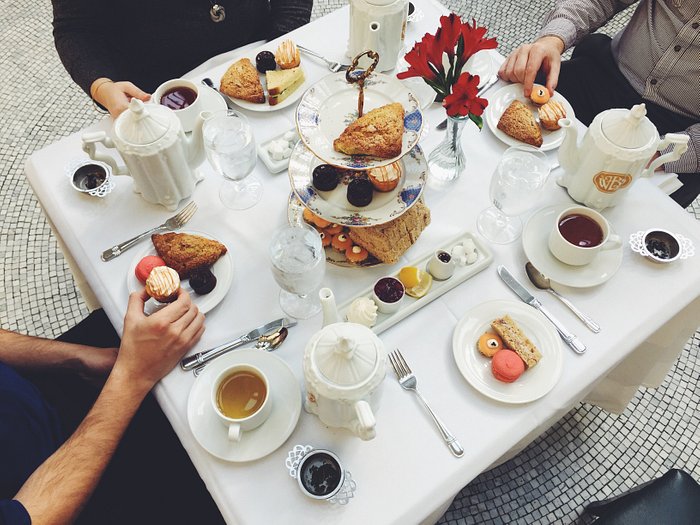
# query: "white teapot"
[[379, 25], [158, 156], [344, 365], [614, 152]]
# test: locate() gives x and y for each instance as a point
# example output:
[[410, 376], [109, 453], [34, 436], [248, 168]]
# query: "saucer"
[[211, 101], [535, 240], [210, 432]]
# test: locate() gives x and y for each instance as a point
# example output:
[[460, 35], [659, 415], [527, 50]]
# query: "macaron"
[[507, 366], [489, 343], [145, 265]]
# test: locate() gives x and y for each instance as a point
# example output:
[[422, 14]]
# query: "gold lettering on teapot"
[[610, 182]]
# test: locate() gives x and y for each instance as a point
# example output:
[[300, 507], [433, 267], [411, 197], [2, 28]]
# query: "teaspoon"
[[542, 282]]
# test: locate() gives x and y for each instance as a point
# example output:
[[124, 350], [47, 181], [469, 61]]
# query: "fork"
[[333, 66], [173, 223], [408, 381]]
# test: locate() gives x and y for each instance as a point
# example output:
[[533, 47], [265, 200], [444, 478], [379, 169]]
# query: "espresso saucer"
[[211, 101], [208, 429], [535, 244]]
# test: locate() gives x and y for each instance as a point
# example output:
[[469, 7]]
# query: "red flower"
[[464, 99], [448, 33], [473, 41], [417, 59]]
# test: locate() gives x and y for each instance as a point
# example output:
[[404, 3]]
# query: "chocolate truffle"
[[360, 192], [202, 281], [325, 177]]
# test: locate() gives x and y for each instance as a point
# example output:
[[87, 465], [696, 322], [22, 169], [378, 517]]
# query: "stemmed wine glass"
[[514, 189], [298, 265], [230, 148]]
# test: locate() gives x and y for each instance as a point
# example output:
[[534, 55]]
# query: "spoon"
[[542, 282], [269, 342], [207, 82]]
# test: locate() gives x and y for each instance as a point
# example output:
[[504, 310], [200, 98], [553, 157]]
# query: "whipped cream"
[[363, 310], [162, 282]]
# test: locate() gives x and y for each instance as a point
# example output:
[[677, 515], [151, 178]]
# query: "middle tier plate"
[[333, 205]]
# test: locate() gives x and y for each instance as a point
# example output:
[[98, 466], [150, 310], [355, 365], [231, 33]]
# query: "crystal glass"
[[514, 190], [230, 148], [298, 265]]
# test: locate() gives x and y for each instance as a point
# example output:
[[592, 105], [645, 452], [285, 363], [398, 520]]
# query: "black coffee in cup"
[[580, 230]]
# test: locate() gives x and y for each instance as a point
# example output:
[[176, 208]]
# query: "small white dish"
[[277, 165], [387, 307], [501, 99], [222, 270], [476, 368], [535, 244], [268, 437]]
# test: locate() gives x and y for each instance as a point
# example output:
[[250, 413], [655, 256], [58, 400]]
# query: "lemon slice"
[[417, 282]]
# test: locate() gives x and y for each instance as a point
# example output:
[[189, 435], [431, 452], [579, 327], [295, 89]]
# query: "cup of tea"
[[579, 234], [241, 398], [183, 97]]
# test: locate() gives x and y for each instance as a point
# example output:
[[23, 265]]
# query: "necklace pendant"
[[217, 13]]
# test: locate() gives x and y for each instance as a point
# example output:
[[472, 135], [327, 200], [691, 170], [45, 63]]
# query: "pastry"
[[489, 343], [185, 252], [202, 281], [145, 265], [241, 81], [265, 61], [516, 340], [507, 366], [333, 229], [539, 95], [163, 284], [356, 254], [325, 177], [325, 238], [314, 219], [517, 122], [360, 192], [378, 133], [287, 55], [550, 113], [363, 310], [386, 178], [341, 242], [281, 84], [388, 242]]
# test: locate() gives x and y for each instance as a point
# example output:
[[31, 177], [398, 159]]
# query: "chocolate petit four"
[[360, 192], [202, 281], [265, 61], [325, 177]]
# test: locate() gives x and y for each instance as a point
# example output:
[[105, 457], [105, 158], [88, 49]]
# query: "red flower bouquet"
[[439, 59]]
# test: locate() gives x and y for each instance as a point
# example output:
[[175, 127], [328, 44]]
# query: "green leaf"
[[479, 121]]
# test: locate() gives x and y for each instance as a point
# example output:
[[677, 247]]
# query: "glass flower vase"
[[446, 161]]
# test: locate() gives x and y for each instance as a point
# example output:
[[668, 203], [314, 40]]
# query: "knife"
[[484, 89], [569, 338], [195, 360]]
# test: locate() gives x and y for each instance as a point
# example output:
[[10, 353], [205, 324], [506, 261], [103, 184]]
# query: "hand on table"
[[523, 64], [115, 96]]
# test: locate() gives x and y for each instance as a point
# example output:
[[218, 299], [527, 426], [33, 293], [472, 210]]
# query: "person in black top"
[[118, 50]]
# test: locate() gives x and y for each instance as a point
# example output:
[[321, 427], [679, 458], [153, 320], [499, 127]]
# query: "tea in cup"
[[183, 97], [241, 399], [579, 234]]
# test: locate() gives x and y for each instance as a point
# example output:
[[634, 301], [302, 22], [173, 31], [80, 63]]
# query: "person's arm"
[[151, 347], [689, 162], [287, 15]]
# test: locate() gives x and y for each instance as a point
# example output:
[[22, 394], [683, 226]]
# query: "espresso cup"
[[241, 399], [183, 97], [579, 234]]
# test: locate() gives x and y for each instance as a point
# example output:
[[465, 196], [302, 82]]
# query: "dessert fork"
[[175, 222], [333, 66], [408, 381]]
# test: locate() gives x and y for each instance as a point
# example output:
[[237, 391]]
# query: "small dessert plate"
[[661, 246], [268, 437]]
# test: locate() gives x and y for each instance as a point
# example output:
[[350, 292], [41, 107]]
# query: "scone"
[[550, 113], [516, 340], [517, 121], [378, 133], [241, 81], [185, 252], [163, 284], [287, 55]]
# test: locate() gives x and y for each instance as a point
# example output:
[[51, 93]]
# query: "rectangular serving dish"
[[274, 166], [438, 288]]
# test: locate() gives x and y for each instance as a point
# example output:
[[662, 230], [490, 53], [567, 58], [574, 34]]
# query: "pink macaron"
[[507, 366]]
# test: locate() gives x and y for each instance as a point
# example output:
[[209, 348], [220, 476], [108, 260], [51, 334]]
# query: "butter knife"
[[195, 360], [569, 338], [487, 86]]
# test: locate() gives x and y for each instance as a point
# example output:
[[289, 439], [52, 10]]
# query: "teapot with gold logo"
[[614, 152]]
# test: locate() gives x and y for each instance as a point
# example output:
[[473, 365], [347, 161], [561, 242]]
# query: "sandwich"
[[282, 83]]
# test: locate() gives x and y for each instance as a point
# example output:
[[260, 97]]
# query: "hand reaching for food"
[[523, 64], [115, 96]]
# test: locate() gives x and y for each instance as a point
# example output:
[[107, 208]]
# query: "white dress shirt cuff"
[[562, 28]]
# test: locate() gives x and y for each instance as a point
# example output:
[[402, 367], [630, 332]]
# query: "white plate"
[[535, 245], [222, 270], [334, 206], [501, 99], [274, 166], [211, 434], [482, 64], [330, 105], [476, 368]]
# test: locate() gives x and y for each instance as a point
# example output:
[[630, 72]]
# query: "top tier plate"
[[329, 106]]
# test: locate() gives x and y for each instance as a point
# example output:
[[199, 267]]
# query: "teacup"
[[241, 399], [183, 97], [579, 234]]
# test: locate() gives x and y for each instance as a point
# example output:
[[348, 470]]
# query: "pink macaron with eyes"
[[507, 366]]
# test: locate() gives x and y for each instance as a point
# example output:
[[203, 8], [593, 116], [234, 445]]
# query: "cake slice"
[[185, 252], [282, 83], [516, 340], [241, 81], [518, 122], [378, 133]]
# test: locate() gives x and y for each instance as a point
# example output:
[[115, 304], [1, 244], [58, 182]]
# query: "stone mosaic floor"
[[589, 454]]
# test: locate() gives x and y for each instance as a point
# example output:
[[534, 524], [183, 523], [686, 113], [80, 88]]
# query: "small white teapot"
[[379, 25], [344, 365], [614, 152], [159, 157]]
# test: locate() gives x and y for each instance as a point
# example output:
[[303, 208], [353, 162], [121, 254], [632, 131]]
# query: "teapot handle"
[[366, 421], [90, 141], [681, 146]]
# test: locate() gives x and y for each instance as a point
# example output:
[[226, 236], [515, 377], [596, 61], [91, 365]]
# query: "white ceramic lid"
[[345, 354], [629, 129], [143, 124]]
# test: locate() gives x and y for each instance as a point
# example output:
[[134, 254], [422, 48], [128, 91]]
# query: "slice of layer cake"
[[378, 133], [282, 83]]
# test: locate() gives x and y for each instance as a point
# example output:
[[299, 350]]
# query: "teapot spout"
[[195, 143], [568, 151], [330, 311]]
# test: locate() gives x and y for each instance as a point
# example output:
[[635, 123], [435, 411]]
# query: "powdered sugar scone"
[[163, 284]]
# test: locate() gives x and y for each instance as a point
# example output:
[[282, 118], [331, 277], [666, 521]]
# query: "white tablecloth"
[[406, 473]]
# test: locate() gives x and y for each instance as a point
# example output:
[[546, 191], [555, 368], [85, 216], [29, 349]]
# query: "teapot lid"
[[346, 354], [143, 124], [629, 129]]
